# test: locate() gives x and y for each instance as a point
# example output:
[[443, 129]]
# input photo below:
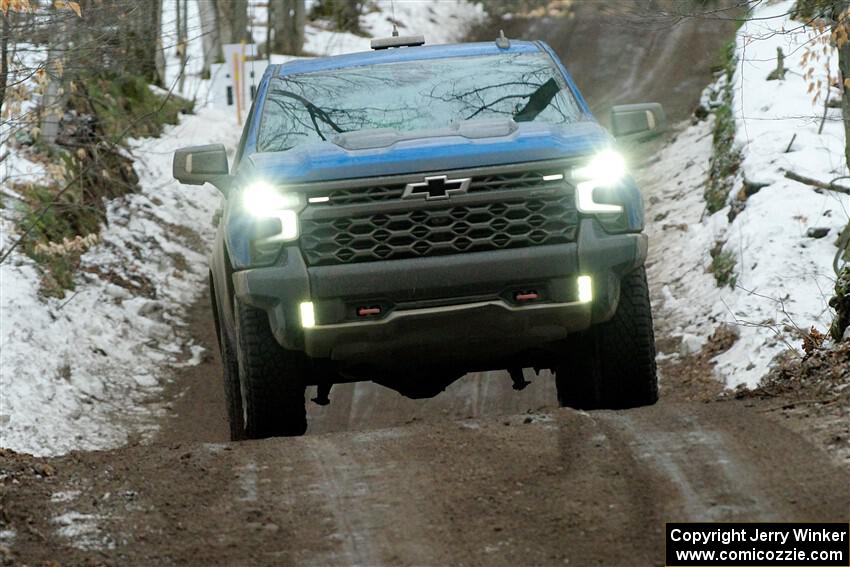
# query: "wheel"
[[271, 380], [612, 365]]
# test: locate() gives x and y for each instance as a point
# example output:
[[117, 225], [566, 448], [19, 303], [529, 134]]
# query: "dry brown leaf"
[[15, 6]]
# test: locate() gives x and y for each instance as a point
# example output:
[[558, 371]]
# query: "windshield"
[[412, 96]]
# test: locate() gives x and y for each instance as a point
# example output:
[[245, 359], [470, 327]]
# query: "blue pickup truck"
[[414, 213]]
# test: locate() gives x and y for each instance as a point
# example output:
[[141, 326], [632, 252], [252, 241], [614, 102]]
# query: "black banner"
[[758, 545]]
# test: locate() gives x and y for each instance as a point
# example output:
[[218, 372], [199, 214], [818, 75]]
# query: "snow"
[[784, 277], [64, 496], [80, 372], [86, 371], [83, 531], [440, 21]]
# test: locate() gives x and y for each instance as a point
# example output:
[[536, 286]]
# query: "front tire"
[[232, 389], [271, 379], [612, 365]]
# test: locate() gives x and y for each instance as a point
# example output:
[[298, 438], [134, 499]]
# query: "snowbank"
[[80, 372], [84, 372], [784, 278]]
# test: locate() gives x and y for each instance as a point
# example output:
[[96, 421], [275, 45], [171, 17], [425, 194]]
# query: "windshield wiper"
[[538, 101], [315, 112]]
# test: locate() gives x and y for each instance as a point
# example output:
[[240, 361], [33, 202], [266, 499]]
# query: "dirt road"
[[559, 487], [478, 476], [632, 51]]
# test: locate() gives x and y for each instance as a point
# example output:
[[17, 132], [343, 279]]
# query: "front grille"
[[533, 179], [513, 223], [357, 196]]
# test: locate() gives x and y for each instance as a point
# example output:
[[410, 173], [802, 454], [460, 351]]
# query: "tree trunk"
[[300, 21], [289, 16], [210, 41], [347, 14], [51, 102], [4, 58], [844, 69], [141, 41], [270, 28], [159, 53], [182, 40], [232, 20]]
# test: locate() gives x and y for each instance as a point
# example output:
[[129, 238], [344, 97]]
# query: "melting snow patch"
[[64, 496], [83, 531], [378, 435]]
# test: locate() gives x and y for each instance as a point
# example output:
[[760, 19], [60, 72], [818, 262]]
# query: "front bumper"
[[445, 308]]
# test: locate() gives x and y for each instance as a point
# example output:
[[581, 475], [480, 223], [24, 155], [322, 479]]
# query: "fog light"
[[308, 315], [585, 289]]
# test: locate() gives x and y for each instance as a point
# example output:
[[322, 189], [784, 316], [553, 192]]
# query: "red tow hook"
[[526, 296], [368, 311]]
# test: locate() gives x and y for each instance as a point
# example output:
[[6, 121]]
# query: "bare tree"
[[182, 39], [51, 102], [4, 57], [288, 26], [839, 24], [232, 20], [210, 40], [344, 13], [140, 37]]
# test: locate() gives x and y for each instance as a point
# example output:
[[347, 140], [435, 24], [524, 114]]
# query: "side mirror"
[[637, 122], [197, 165]]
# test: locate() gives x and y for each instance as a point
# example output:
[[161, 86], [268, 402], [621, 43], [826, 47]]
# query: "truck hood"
[[385, 152]]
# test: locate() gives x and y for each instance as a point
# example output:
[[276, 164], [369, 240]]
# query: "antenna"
[[395, 25], [502, 42]]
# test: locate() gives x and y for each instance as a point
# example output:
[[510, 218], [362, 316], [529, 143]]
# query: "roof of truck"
[[401, 54]]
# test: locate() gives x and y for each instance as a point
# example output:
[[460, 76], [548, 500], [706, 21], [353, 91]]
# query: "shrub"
[[726, 158], [723, 266]]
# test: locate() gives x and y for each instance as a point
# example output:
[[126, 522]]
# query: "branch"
[[4, 255], [816, 183]]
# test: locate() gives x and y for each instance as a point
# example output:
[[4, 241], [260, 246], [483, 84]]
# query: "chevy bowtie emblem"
[[436, 187]]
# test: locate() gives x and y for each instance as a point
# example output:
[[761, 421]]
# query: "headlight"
[[605, 169], [260, 199], [264, 201]]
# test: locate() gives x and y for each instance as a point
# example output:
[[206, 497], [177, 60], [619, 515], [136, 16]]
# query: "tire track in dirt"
[[588, 488]]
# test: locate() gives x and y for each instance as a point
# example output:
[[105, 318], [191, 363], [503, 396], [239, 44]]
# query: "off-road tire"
[[612, 365], [230, 371], [232, 391], [271, 379]]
